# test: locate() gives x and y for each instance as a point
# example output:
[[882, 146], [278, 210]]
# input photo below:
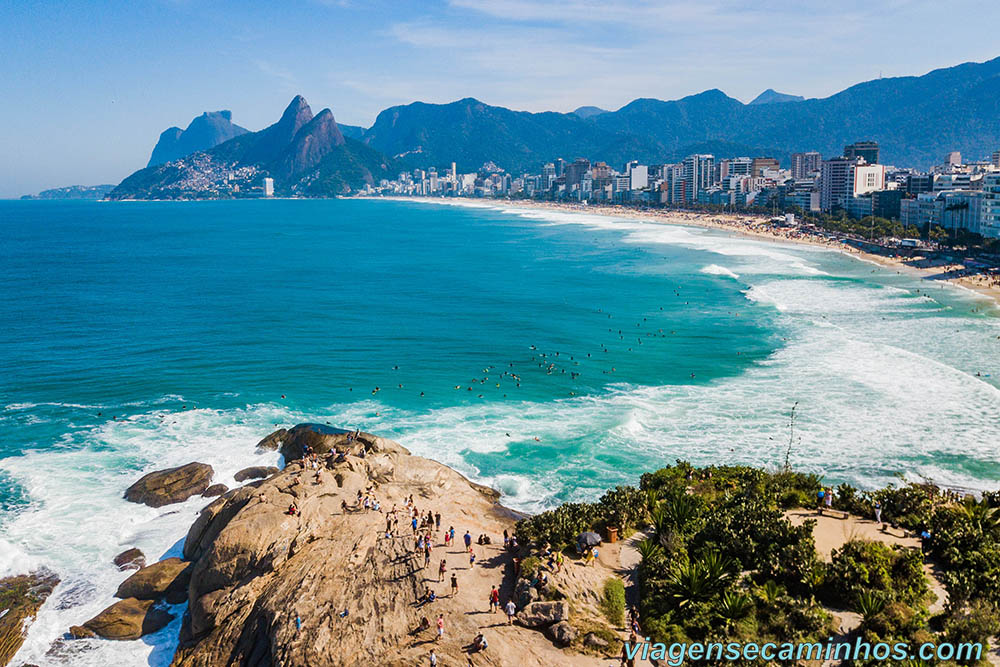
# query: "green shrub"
[[613, 602], [860, 567], [530, 567]]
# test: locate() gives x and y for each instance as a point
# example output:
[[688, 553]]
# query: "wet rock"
[[168, 578], [21, 596], [130, 559], [173, 485], [255, 472], [273, 441], [127, 619], [214, 490]]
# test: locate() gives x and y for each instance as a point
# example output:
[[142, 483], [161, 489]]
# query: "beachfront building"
[[867, 150], [990, 216], [268, 187], [698, 175], [806, 165], [842, 178]]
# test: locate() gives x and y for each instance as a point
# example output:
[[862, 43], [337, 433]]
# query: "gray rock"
[[561, 633], [595, 641], [538, 614]]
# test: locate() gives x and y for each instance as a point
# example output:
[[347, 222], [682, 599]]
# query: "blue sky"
[[86, 88]]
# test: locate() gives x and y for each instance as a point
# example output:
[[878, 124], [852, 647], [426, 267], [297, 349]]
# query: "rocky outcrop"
[[20, 599], [206, 131], [539, 614], [214, 490], [166, 579], [173, 485], [130, 559], [125, 619], [273, 441], [324, 439], [255, 472], [561, 633], [257, 568]]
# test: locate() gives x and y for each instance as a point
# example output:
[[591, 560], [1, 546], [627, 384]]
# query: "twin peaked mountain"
[[305, 155], [916, 119]]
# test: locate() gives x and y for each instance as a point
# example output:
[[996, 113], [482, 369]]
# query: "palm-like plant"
[[986, 519], [679, 509], [869, 604], [770, 591], [698, 580], [650, 551], [734, 606]]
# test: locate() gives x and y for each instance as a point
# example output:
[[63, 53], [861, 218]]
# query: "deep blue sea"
[[549, 354]]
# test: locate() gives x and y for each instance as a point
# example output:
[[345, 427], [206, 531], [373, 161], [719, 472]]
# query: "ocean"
[[549, 354]]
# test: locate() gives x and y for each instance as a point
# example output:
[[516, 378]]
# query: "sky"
[[86, 88]]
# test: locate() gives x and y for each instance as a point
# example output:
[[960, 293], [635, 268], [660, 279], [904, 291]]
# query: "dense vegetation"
[[722, 563]]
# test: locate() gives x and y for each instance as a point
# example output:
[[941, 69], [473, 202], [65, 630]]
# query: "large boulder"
[[20, 599], [130, 559], [561, 633], [168, 578], [255, 472], [214, 490], [320, 437], [173, 485], [273, 441], [125, 619], [538, 614]]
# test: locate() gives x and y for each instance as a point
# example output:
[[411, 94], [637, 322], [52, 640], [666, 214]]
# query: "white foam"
[[716, 270]]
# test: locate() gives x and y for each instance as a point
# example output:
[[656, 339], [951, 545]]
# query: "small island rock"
[[173, 485]]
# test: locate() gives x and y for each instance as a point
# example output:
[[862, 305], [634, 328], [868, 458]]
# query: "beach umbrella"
[[588, 539]]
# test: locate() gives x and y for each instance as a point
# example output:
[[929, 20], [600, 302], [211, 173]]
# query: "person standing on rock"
[[454, 584], [494, 600], [442, 569], [511, 609], [432, 659], [440, 625], [437, 520], [878, 513], [468, 540]]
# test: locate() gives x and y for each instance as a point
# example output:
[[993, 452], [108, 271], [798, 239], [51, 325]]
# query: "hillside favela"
[[615, 368]]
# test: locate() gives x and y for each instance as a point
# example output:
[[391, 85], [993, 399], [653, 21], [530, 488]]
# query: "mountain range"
[[306, 155], [915, 119], [206, 131]]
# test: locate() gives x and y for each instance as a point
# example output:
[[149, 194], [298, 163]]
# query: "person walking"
[[494, 600], [440, 626], [454, 584], [442, 569], [511, 609], [878, 513], [468, 540], [432, 659]]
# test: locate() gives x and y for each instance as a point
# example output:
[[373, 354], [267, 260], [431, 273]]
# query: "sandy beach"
[[759, 227]]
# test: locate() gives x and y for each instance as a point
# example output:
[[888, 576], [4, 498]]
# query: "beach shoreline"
[[755, 227]]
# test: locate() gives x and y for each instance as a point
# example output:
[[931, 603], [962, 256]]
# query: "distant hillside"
[[74, 192], [352, 131], [305, 155], [916, 119], [206, 131], [587, 112], [771, 96]]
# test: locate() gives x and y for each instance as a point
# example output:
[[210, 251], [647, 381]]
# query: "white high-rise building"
[[638, 176], [843, 178], [268, 187], [698, 173]]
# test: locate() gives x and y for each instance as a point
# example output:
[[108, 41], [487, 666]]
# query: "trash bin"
[[612, 534]]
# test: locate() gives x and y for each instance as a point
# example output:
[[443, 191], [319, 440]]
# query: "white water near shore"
[[885, 379]]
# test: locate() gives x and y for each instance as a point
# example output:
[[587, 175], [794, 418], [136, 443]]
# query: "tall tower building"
[[863, 149]]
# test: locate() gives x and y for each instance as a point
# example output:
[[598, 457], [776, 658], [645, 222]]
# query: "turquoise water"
[[551, 355]]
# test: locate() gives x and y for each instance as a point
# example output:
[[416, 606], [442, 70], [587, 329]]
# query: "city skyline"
[[95, 86]]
